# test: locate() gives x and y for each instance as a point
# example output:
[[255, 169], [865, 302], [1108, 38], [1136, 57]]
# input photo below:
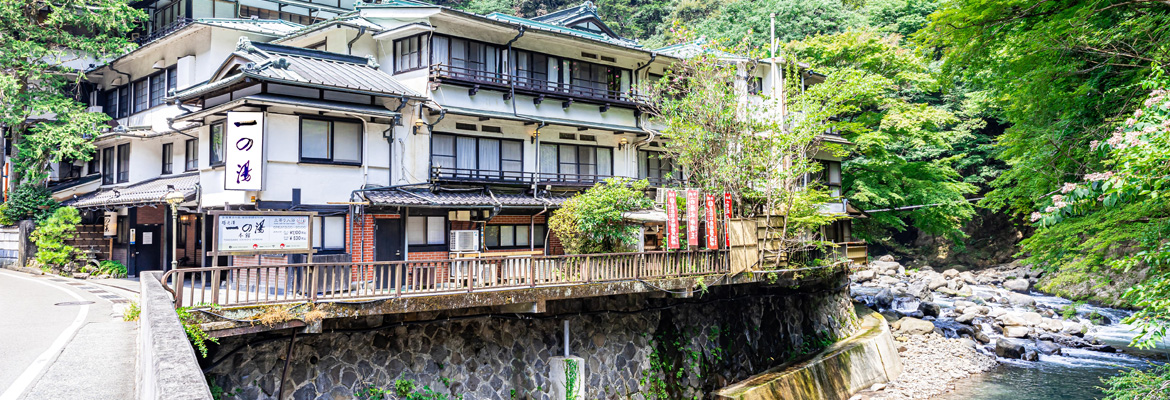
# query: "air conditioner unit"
[[465, 241], [660, 196]]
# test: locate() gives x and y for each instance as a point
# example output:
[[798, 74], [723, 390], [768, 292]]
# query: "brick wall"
[[151, 215]]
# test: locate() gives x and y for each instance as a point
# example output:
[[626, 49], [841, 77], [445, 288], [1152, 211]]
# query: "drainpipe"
[[349, 46], [653, 55], [508, 67], [365, 149]]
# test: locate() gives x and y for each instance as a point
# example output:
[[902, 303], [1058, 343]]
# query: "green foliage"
[[132, 312], [28, 202], [113, 268], [405, 390], [39, 41], [372, 392], [50, 236], [591, 222], [572, 374], [795, 20], [195, 332], [1135, 384], [1070, 311]]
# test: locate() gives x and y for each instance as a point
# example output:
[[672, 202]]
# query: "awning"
[[150, 192], [276, 100], [552, 121], [476, 199]]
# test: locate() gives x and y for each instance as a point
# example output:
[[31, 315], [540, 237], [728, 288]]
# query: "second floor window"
[[192, 154], [830, 176], [124, 163], [467, 58], [215, 144], [111, 106], [107, 165], [247, 12], [654, 166], [408, 54], [755, 85], [331, 141], [141, 96], [568, 160], [167, 15], [158, 84], [94, 162], [168, 158], [472, 157]]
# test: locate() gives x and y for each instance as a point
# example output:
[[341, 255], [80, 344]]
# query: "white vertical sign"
[[110, 224], [243, 143]]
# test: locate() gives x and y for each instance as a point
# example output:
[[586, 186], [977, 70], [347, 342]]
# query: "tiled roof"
[[401, 197], [351, 18], [264, 26], [694, 48], [151, 191]]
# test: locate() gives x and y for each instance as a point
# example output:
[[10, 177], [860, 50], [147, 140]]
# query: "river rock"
[[886, 258], [964, 304], [1009, 348], [1031, 355], [967, 276], [913, 326], [1032, 318], [1048, 348], [883, 266], [966, 318], [982, 337], [981, 310], [1016, 331], [1073, 328], [929, 309], [1052, 325], [888, 281], [884, 298], [966, 291], [918, 290], [936, 281], [863, 276], [1017, 285], [950, 273], [1019, 299], [1104, 348]]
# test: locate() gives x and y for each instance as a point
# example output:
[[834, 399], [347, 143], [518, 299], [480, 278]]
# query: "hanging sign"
[[671, 219], [712, 236], [263, 233], [243, 144], [727, 215], [110, 224], [692, 217]]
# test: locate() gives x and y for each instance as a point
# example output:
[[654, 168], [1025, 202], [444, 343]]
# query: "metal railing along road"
[[314, 282]]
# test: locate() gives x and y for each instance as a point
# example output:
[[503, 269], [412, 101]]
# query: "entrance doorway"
[[146, 253], [388, 246]]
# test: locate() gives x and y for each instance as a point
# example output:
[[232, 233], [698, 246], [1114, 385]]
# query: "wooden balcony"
[[465, 175], [476, 79]]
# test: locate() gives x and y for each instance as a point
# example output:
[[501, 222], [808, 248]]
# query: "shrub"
[[132, 312], [1135, 384], [591, 222], [112, 268], [50, 236], [28, 202]]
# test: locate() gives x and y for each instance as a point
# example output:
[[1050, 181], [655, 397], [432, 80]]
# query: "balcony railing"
[[466, 175], [269, 284], [166, 30], [533, 86]]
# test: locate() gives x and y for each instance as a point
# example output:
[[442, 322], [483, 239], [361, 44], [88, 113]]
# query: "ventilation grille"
[[588, 138], [568, 136], [589, 55], [466, 127], [491, 129], [608, 59]]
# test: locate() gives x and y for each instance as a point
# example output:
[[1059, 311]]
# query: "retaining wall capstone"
[[167, 367]]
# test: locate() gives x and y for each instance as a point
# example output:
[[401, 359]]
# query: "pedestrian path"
[[65, 338]]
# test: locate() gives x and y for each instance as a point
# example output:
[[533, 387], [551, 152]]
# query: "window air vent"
[[466, 127], [608, 59], [588, 138], [589, 55], [568, 136], [491, 129]]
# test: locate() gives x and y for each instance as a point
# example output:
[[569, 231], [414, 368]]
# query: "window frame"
[[332, 141], [535, 241], [319, 223], [427, 246], [824, 176], [417, 53], [578, 163], [168, 158], [94, 163], [123, 167], [191, 155], [109, 167], [211, 159], [662, 159], [500, 173]]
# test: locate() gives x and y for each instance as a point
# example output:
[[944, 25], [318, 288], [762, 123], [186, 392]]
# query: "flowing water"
[[1075, 375]]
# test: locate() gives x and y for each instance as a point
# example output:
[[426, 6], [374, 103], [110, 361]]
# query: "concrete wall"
[[167, 368], [631, 345]]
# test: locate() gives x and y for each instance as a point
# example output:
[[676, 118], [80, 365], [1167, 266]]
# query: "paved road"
[[52, 350]]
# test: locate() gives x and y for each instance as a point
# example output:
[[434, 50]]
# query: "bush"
[[1136, 384], [591, 222], [28, 202], [113, 268], [50, 236]]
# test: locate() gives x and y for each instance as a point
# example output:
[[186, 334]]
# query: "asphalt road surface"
[[64, 338]]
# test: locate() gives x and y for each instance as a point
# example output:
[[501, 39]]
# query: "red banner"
[[727, 216], [712, 236], [671, 220], [692, 217]]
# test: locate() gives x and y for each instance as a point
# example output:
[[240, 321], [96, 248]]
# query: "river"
[[1075, 375]]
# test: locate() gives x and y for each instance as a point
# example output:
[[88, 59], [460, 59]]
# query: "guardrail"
[[313, 282]]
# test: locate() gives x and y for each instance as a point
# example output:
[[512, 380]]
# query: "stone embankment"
[[951, 324]]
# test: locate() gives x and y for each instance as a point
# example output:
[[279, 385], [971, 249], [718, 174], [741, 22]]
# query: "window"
[[215, 144], [92, 165], [141, 96], [124, 101], [596, 80], [167, 15], [408, 54], [331, 141], [248, 12], [468, 59], [168, 158], [536, 71], [111, 106], [830, 176], [191, 155], [426, 230], [123, 163], [503, 236], [654, 166], [107, 165], [472, 157], [329, 233], [158, 84], [575, 160], [172, 79], [755, 85]]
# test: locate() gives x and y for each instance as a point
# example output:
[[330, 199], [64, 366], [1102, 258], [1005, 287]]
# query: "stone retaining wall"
[[167, 368], [633, 346]]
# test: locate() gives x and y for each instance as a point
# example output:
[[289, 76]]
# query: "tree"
[[591, 222], [50, 236], [42, 43]]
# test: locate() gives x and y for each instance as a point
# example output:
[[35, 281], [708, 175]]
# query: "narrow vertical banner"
[[712, 234], [243, 144], [671, 219], [692, 217], [727, 216]]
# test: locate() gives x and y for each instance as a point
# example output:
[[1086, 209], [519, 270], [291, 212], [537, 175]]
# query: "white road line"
[[38, 366]]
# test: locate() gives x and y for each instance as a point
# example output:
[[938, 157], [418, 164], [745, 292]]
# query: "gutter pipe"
[[349, 46]]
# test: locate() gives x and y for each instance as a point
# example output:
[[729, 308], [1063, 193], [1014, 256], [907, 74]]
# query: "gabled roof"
[[545, 26], [302, 67], [695, 48], [275, 27], [151, 191], [350, 19], [573, 17]]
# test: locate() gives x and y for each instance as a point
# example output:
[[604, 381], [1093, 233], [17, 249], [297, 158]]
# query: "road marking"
[[38, 366]]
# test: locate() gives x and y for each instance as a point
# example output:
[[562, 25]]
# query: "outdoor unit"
[[660, 196], [465, 241]]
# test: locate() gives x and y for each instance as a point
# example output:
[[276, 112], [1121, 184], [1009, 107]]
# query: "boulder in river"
[[886, 258], [1019, 299], [936, 281], [1031, 355], [884, 298], [913, 326], [1073, 328], [1017, 285], [1052, 325], [966, 318], [1009, 348], [883, 266], [1016, 331], [863, 276], [950, 273], [1048, 348], [929, 309]]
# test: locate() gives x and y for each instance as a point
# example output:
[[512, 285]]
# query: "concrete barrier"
[[167, 367], [869, 356]]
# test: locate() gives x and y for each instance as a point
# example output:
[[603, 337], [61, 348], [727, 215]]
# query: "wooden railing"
[[596, 93], [451, 174], [313, 282]]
